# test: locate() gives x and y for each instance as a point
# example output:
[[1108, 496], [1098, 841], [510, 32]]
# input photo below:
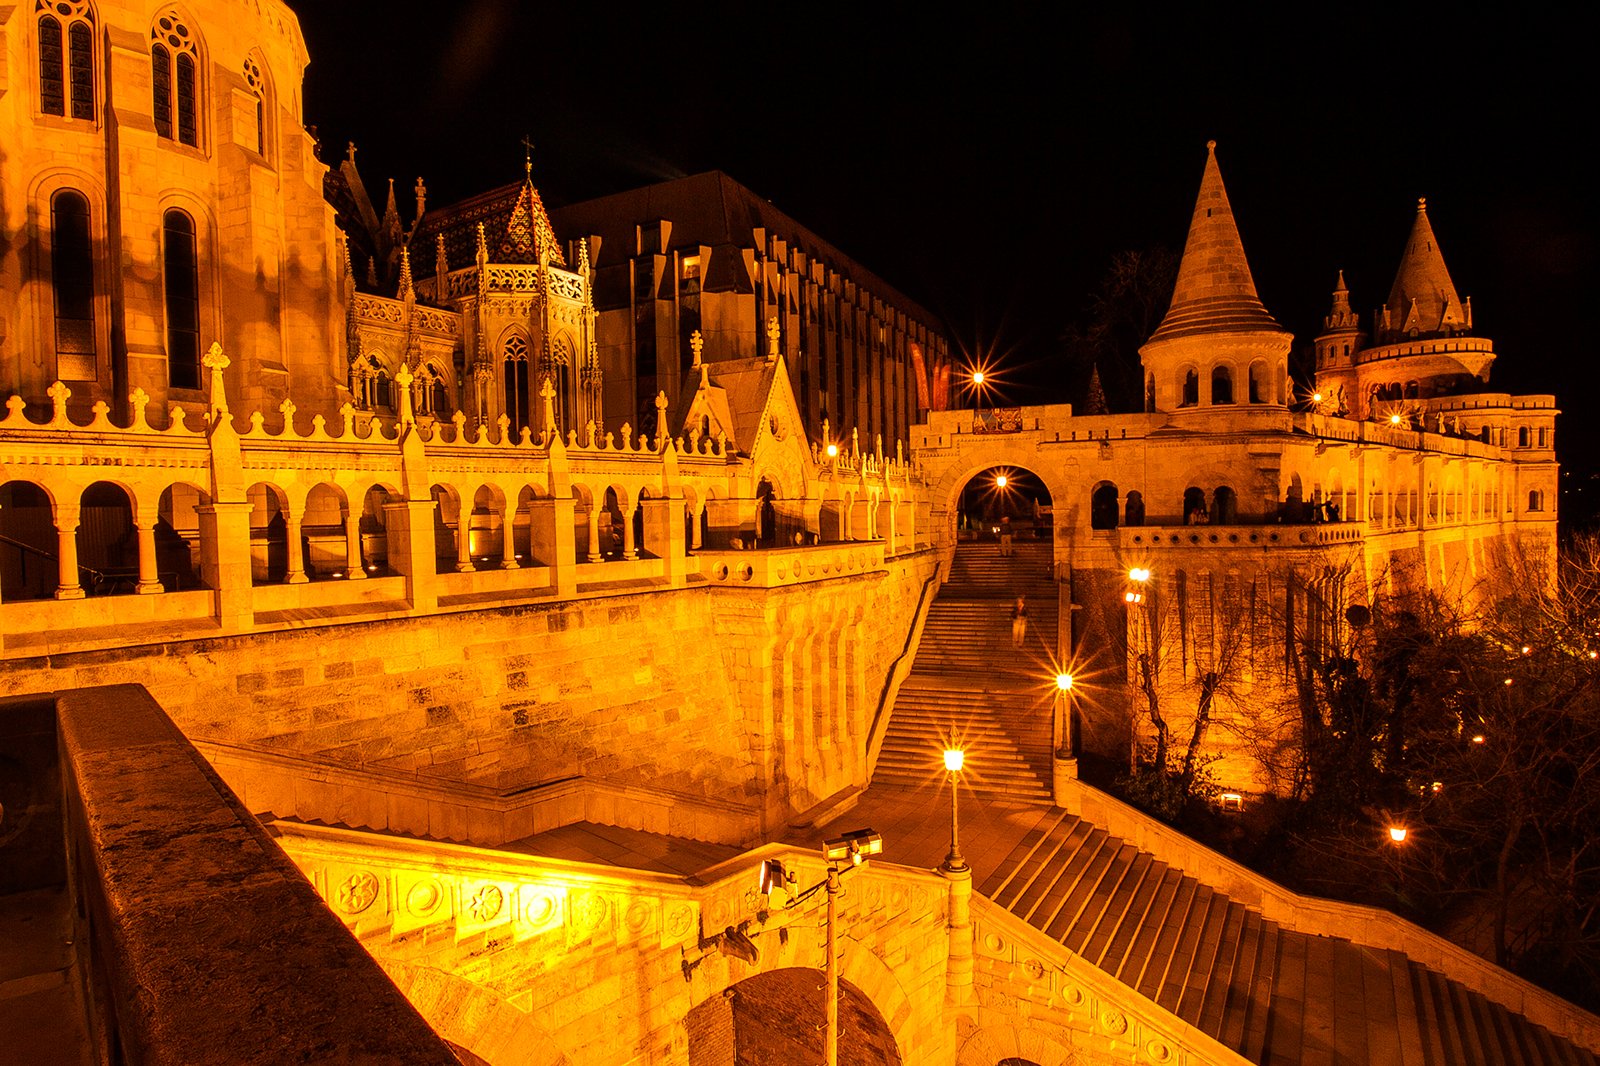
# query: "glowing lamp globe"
[[1064, 682], [1000, 481], [1397, 833], [833, 450], [954, 759], [977, 377]]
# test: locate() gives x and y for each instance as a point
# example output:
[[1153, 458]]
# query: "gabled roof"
[[1215, 292], [1424, 298], [528, 231]]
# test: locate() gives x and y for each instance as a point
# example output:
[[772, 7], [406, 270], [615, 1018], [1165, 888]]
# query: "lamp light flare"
[[1000, 481], [1477, 738], [977, 377], [1139, 573], [954, 759], [1394, 420], [833, 450], [1316, 397], [1397, 834], [1064, 682]]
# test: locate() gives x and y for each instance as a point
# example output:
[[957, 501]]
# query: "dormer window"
[[66, 58]]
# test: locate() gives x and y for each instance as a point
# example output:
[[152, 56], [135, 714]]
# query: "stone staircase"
[[1273, 995], [969, 686]]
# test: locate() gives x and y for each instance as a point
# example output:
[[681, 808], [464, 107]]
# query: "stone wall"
[[690, 691]]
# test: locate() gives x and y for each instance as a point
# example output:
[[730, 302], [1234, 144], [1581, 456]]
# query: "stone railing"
[[1366, 926], [152, 834], [1081, 996], [772, 567], [1325, 534]]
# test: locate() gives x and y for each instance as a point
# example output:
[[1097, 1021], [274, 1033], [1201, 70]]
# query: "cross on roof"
[[527, 154]]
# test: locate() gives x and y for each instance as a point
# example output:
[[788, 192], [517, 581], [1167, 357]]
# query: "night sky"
[[990, 169]]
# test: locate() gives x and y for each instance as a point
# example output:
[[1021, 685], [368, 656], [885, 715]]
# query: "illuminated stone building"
[[411, 566]]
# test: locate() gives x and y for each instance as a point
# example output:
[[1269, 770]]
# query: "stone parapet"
[[1366, 926]]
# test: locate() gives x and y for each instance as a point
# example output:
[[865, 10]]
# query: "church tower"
[[1217, 346]]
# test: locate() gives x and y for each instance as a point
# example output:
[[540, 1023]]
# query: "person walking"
[[1005, 536], [1019, 622]]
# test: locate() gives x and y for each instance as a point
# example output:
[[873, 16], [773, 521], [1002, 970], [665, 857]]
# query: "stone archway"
[[1009, 1045], [773, 1019]]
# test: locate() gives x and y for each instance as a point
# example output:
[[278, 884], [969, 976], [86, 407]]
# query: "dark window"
[[161, 89], [188, 130], [72, 273], [261, 128], [52, 81], [1191, 389], [1221, 385], [517, 393], [1103, 508], [80, 69], [181, 270]]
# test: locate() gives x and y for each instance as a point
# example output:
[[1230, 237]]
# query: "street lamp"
[[1064, 766], [999, 481], [954, 760], [1397, 834], [977, 377], [843, 854]]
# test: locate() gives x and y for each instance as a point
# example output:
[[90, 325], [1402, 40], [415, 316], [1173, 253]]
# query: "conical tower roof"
[[1215, 292], [1423, 297], [528, 230]]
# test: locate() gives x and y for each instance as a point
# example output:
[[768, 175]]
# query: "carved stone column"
[[149, 576], [296, 570], [355, 568], [67, 584]]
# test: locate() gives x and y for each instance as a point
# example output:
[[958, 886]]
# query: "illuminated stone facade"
[[418, 561]]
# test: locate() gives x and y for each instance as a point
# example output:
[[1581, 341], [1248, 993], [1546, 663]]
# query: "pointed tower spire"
[[1423, 296], [1097, 394], [1340, 316], [407, 290], [391, 216], [529, 237], [1215, 292]]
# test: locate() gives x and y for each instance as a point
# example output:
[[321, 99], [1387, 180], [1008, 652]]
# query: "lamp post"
[[843, 854], [954, 760], [1064, 764]]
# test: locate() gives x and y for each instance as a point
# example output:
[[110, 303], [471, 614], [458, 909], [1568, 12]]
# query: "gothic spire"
[[1097, 394], [1423, 299], [1215, 292], [529, 237]]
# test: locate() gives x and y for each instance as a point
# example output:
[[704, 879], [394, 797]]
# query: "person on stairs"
[[1005, 536], [1019, 622]]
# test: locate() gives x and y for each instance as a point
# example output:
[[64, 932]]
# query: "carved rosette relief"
[[424, 898], [356, 892], [486, 903]]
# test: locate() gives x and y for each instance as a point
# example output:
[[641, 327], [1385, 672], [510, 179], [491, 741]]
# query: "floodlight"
[[853, 847], [774, 876]]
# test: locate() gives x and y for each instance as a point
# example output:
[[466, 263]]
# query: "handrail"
[[24, 546]]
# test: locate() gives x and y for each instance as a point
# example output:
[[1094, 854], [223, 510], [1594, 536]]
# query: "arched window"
[[181, 277], [515, 355], [1221, 385], [174, 80], [66, 58], [258, 88], [1259, 385], [72, 276], [1103, 507], [436, 398], [1194, 507], [1522, 436], [1535, 500], [1191, 388], [1224, 506], [1544, 437], [1133, 512], [1149, 393]]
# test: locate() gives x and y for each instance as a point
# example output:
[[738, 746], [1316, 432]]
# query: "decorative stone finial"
[[402, 384], [350, 152], [215, 361], [140, 400], [547, 393], [661, 418], [697, 344], [59, 394], [422, 196], [774, 331]]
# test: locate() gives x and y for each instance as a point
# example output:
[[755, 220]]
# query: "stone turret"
[[1217, 344], [1423, 300]]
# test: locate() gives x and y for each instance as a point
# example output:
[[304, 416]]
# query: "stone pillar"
[[886, 527], [296, 571], [559, 538], [694, 527], [411, 549], [629, 549], [958, 975], [508, 537], [663, 535], [355, 567], [67, 585], [225, 561], [594, 534], [149, 575], [463, 540]]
